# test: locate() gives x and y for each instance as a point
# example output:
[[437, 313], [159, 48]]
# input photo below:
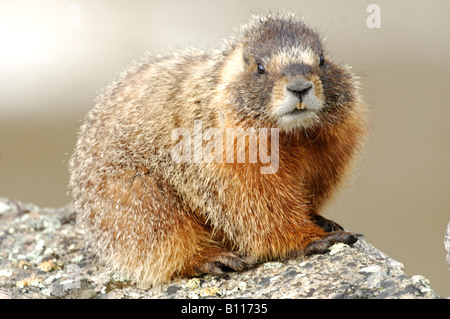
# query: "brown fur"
[[155, 219]]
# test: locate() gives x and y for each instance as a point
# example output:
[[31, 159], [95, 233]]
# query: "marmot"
[[156, 218]]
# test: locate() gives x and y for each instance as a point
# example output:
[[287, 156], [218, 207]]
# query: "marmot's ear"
[[234, 65]]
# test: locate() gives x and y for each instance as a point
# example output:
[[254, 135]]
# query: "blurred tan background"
[[52, 64]]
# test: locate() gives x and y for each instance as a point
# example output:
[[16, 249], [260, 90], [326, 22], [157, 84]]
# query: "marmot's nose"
[[299, 87]]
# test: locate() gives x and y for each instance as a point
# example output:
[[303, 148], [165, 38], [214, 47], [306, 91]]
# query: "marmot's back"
[[162, 193]]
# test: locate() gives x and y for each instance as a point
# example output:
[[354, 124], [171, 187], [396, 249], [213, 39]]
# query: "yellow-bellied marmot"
[[156, 216]]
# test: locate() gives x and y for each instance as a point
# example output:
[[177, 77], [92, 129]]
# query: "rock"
[[4, 208], [447, 244], [46, 257], [422, 283]]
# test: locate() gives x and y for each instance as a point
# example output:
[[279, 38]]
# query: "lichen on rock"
[[43, 254]]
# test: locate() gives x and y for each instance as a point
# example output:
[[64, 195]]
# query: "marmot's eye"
[[322, 60], [261, 69]]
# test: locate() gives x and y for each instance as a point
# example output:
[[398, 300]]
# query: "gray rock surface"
[[43, 255]]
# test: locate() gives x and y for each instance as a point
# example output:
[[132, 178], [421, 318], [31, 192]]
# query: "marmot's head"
[[278, 74]]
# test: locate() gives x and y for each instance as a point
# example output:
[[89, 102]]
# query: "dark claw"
[[323, 245], [226, 263], [326, 224]]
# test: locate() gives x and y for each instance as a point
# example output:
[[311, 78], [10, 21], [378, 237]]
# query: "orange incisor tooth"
[[301, 106]]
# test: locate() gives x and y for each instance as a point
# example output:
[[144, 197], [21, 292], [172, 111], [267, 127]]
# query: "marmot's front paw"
[[226, 261], [323, 244]]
